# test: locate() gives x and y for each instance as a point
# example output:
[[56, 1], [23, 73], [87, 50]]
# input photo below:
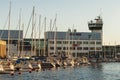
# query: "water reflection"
[[97, 66], [101, 71]]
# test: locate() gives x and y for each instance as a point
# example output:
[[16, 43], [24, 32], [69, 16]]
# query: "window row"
[[78, 48], [73, 42]]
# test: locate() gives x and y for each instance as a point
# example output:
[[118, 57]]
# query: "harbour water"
[[101, 71]]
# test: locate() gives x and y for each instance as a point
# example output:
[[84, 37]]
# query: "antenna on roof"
[[100, 15]]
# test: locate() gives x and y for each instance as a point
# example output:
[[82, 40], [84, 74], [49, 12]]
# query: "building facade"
[[12, 36], [19, 46], [111, 51], [77, 43], [71, 42]]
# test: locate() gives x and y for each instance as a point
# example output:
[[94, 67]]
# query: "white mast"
[[19, 54], [32, 31], [104, 52], [72, 39], [55, 41], [23, 40], [39, 34], [55, 35], [115, 50], [9, 31], [68, 53], [44, 38], [35, 37], [50, 33]]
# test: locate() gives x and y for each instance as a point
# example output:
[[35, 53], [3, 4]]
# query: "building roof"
[[14, 34], [74, 35]]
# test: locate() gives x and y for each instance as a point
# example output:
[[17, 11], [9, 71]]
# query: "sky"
[[69, 13]]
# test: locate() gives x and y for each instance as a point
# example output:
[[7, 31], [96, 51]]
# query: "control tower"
[[96, 25]]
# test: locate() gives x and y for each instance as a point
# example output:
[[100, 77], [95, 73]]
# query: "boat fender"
[[19, 72], [30, 71], [12, 73], [36, 70]]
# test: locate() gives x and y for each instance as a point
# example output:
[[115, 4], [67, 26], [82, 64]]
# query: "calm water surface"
[[102, 71]]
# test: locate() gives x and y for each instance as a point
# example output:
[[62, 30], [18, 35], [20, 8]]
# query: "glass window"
[[85, 48], [58, 48], [71, 48], [79, 42], [98, 48], [79, 48], [51, 48], [51, 42], [65, 42], [98, 42], [63, 48], [92, 42], [92, 48], [59, 42], [66, 48], [72, 42], [85, 42]]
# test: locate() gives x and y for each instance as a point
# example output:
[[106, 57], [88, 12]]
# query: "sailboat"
[[2, 71]]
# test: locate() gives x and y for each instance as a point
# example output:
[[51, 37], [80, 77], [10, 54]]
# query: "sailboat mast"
[[39, 34], [72, 40], [22, 40], [104, 52], [55, 41], [50, 33], [32, 31], [68, 53], [55, 35], [45, 38], [35, 36], [115, 51], [9, 30], [19, 54]]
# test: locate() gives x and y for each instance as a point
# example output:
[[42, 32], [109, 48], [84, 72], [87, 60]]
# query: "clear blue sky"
[[69, 12]]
